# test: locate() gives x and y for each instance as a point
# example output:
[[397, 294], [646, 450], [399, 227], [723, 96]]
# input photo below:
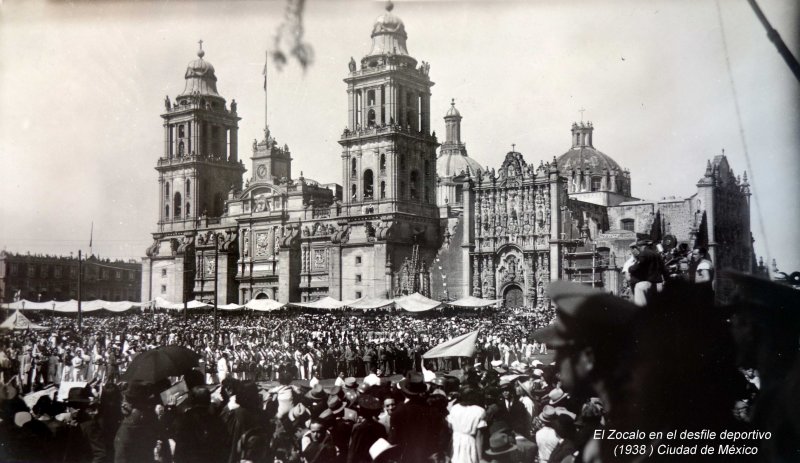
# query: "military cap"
[[584, 314]]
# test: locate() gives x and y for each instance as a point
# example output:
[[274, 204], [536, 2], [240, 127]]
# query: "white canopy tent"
[[474, 302], [17, 321], [417, 303], [326, 303], [264, 305], [230, 307], [71, 306], [367, 303], [161, 303]]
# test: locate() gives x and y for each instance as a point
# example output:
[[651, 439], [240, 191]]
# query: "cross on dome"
[[200, 52]]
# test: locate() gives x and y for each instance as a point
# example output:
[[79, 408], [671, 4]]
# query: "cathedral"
[[404, 219]]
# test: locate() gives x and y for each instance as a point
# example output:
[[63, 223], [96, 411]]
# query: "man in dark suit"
[[513, 412]]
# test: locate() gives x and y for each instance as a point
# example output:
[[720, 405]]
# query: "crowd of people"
[[650, 266], [675, 363], [255, 346]]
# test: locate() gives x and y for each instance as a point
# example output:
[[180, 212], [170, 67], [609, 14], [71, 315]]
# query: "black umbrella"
[[156, 364]]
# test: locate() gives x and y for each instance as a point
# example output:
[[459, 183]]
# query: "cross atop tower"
[[513, 147], [581, 111], [200, 52]]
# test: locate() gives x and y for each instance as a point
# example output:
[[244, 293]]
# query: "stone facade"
[[404, 220], [54, 278], [575, 219], [295, 239]]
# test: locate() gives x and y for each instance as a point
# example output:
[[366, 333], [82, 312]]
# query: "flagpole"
[[80, 288], [266, 113], [91, 236]]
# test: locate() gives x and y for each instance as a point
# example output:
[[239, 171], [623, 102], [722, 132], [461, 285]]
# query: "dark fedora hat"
[[79, 396], [500, 444], [369, 402], [413, 384]]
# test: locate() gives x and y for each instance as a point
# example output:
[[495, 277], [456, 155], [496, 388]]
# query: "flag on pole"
[[461, 346], [264, 72]]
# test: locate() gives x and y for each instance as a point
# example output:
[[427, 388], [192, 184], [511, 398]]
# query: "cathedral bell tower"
[[389, 153], [200, 163]]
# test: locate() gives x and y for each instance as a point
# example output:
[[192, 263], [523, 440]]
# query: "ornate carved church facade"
[[403, 219]]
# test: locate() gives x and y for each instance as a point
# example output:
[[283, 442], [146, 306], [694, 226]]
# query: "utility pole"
[[80, 295], [216, 277], [776, 39]]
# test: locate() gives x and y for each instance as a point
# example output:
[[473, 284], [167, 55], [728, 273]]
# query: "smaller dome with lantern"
[[589, 170], [200, 77], [388, 35]]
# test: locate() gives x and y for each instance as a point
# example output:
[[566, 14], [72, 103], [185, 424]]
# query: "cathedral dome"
[[588, 159], [388, 35], [452, 163], [583, 154], [200, 77]]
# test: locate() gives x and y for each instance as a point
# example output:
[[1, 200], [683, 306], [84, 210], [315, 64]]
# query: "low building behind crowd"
[[42, 278], [405, 219]]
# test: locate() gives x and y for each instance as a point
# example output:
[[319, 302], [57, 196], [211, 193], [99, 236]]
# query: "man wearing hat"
[[340, 428], [367, 431], [139, 431], [416, 428], [591, 336], [502, 449], [196, 431]]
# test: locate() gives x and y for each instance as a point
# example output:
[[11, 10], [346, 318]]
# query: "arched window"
[[166, 191], [371, 118], [353, 168], [414, 184], [371, 98], [166, 212], [596, 182], [353, 191], [188, 189], [188, 210], [459, 193], [410, 119], [383, 190], [180, 149], [383, 164], [427, 168], [181, 132], [368, 184], [178, 201]]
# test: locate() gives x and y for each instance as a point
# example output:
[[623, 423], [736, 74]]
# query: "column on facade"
[[476, 276], [233, 144], [351, 117], [167, 141], [491, 277]]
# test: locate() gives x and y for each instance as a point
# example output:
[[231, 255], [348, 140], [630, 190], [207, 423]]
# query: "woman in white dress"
[[467, 420]]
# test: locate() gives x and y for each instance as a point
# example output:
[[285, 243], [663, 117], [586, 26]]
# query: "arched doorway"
[[262, 296], [513, 297]]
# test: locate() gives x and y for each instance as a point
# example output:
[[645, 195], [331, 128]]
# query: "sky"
[[667, 85]]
